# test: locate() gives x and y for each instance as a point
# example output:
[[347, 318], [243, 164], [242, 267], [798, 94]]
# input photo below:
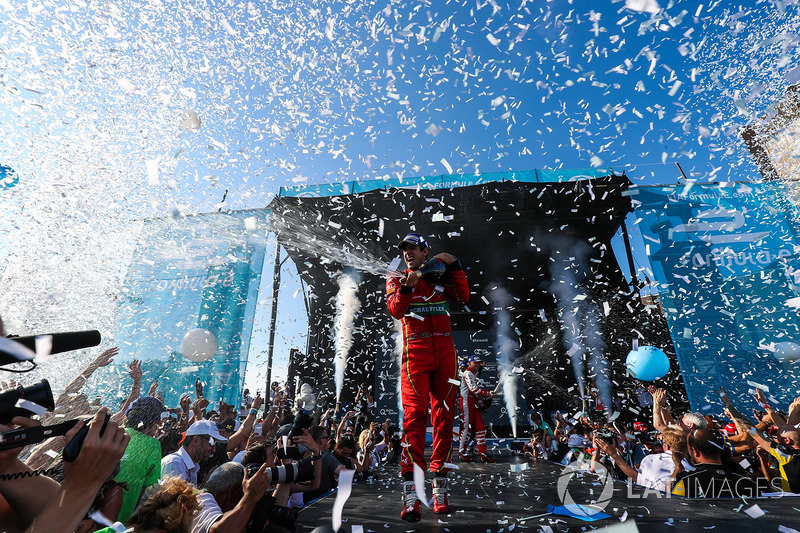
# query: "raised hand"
[[723, 394], [258, 401], [153, 388], [135, 370], [185, 402], [759, 397], [105, 358]]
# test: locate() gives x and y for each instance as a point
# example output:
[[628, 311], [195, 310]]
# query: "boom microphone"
[[23, 348], [64, 342]]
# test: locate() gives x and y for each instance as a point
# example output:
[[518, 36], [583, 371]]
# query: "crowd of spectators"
[[193, 467], [200, 467], [691, 455]]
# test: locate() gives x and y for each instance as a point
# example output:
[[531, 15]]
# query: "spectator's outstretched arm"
[[83, 477], [661, 414], [272, 418], [75, 386], [246, 428], [185, 403], [153, 388], [198, 410], [745, 427], [343, 423], [734, 413], [235, 520], [595, 457], [135, 371], [612, 452], [763, 459], [774, 415]]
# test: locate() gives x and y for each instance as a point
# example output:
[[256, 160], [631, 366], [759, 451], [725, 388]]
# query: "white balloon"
[[199, 345], [189, 120], [787, 351]]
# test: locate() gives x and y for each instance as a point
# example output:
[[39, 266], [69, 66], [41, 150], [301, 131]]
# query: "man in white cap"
[[197, 446]]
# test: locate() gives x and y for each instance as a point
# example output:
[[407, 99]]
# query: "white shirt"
[[656, 469], [181, 465], [209, 512]]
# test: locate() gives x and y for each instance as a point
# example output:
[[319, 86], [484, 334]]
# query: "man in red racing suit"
[[471, 417], [429, 373]]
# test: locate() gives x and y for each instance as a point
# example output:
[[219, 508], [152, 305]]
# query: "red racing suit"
[[429, 373], [471, 416]]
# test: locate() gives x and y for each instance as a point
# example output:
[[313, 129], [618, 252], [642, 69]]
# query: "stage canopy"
[[536, 250]]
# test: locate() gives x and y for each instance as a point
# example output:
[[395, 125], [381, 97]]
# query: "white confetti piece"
[[44, 345], [447, 166], [419, 484], [31, 406], [342, 495], [758, 385], [152, 171], [755, 511]]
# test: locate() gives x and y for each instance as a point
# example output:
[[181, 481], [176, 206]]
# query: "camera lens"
[[38, 393]]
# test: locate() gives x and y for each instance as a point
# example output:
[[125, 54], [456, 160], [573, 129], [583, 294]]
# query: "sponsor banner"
[[725, 258], [194, 272], [445, 181], [8, 178]]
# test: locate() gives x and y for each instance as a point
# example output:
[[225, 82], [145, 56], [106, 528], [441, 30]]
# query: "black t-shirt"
[[713, 481]]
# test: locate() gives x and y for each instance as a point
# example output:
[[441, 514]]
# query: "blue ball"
[[648, 363]]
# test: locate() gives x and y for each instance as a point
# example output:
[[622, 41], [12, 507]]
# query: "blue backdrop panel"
[[725, 258], [194, 272]]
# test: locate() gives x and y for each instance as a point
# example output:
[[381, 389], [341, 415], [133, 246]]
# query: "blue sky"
[[293, 92]]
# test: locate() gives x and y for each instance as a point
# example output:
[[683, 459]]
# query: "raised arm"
[[246, 428], [612, 452], [661, 414], [135, 371], [774, 415], [75, 386]]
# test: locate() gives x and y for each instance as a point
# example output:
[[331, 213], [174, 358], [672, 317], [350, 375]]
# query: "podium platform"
[[493, 498]]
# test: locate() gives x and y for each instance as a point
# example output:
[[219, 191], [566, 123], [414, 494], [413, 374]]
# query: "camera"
[[38, 393], [605, 436], [300, 471], [268, 513]]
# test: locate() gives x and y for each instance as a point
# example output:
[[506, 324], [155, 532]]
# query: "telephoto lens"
[[38, 393]]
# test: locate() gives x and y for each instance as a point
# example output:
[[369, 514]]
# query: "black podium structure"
[[544, 243]]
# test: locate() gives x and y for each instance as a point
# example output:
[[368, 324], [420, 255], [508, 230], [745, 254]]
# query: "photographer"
[[229, 499], [40, 503], [290, 494]]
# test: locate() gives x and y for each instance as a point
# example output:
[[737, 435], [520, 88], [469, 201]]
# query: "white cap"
[[205, 427]]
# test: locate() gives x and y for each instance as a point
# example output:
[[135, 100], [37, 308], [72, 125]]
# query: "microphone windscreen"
[[64, 342]]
